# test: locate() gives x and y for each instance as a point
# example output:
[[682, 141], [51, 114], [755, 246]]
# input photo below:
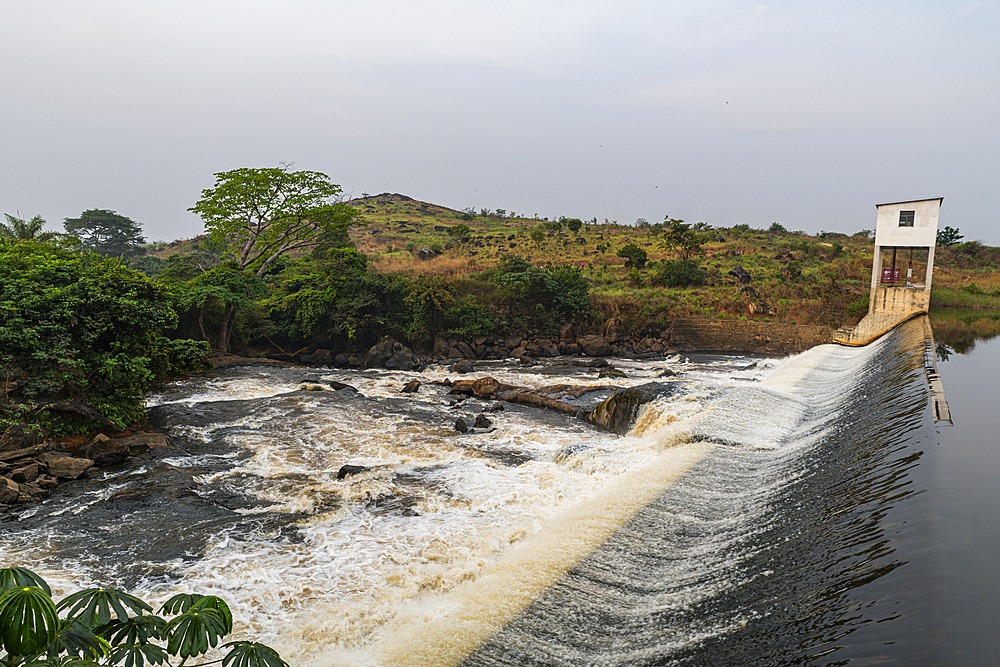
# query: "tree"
[[257, 215], [681, 240], [538, 236], [107, 626], [635, 255], [574, 224], [949, 236], [459, 231], [80, 327], [18, 229], [226, 285], [106, 233]]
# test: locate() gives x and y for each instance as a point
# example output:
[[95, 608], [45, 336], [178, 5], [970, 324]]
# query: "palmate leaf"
[[138, 655], [251, 654], [183, 602], [194, 632], [28, 621], [93, 606], [62, 661], [76, 639], [134, 631], [13, 577]]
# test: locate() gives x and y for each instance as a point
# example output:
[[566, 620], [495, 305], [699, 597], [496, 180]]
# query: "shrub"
[[777, 228], [105, 626], [679, 273], [636, 255]]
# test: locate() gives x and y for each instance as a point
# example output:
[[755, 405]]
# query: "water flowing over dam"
[[768, 511]]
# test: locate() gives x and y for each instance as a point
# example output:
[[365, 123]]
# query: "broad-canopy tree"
[[106, 233], [680, 239], [18, 229], [257, 215]]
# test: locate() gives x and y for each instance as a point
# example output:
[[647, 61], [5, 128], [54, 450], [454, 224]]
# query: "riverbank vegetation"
[[288, 267]]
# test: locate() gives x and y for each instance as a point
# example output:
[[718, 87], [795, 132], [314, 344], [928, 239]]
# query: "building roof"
[[910, 201]]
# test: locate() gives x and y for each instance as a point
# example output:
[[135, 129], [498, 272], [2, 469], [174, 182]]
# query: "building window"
[[906, 218]]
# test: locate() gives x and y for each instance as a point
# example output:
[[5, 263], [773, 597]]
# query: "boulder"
[[348, 470], [611, 372], [426, 253], [391, 354], [317, 358], [105, 451], [618, 412], [462, 367], [595, 346], [64, 466], [141, 443], [482, 421], [337, 386], [740, 274], [9, 491], [25, 474], [411, 387], [21, 436], [461, 426]]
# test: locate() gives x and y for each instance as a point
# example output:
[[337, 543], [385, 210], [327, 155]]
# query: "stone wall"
[[746, 336]]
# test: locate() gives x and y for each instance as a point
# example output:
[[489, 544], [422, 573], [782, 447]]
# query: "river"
[[804, 510]]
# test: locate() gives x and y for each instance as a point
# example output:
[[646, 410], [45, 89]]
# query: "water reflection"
[[958, 331]]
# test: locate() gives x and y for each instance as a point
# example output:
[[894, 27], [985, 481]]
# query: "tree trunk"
[[226, 328]]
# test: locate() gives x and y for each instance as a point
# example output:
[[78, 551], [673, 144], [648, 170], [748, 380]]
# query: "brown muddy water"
[[804, 510]]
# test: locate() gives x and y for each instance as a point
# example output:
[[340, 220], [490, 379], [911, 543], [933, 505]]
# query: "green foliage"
[[109, 627], [636, 255], [681, 240], [574, 224], [18, 229], [459, 231], [858, 308], [742, 227], [679, 273], [541, 297], [79, 327], [257, 215], [537, 235], [106, 233], [777, 228], [948, 236]]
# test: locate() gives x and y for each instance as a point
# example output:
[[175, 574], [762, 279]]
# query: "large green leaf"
[[139, 655], [14, 577], [251, 654], [76, 639], [93, 606], [180, 603], [134, 631], [28, 621], [183, 602], [194, 632]]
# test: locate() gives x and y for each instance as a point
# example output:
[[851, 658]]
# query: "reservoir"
[[806, 510]]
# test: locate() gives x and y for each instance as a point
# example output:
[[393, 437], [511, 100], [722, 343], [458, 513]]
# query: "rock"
[[317, 358], [595, 346], [618, 412], [461, 426], [611, 372], [388, 353], [16, 454], [21, 436], [740, 274], [566, 333], [64, 466], [25, 474], [348, 470], [105, 451], [411, 387], [9, 491], [462, 367], [338, 386], [519, 352], [550, 351], [666, 373], [591, 363], [140, 443], [482, 421], [305, 386], [614, 330], [441, 347], [497, 407], [426, 253]]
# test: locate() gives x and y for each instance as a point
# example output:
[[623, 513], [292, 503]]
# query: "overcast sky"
[[804, 113]]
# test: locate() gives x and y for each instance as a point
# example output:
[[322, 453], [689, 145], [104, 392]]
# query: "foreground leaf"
[[28, 621], [252, 654], [194, 632], [93, 606], [15, 577]]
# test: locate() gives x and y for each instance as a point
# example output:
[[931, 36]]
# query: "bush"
[[679, 273], [105, 626], [79, 327], [637, 256], [777, 228]]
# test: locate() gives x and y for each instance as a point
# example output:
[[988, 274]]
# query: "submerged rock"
[[411, 387], [618, 412], [348, 470]]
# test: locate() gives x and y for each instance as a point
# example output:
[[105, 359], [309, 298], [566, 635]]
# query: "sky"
[[718, 111]]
